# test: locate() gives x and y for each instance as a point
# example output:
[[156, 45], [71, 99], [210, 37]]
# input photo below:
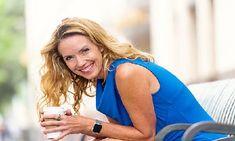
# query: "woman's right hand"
[[42, 119]]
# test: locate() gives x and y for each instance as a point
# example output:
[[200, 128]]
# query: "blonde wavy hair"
[[57, 80]]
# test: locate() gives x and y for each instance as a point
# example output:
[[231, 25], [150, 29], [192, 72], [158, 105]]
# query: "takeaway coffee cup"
[[56, 111]]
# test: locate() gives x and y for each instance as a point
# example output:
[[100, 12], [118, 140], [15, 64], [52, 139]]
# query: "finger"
[[51, 123], [41, 119], [41, 112], [58, 117], [53, 116], [55, 129], [62, 135], [68, 112], [41, 116], [95, 139], [42, 130]]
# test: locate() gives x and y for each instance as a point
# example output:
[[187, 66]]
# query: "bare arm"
[[133, 83], [134, 88]]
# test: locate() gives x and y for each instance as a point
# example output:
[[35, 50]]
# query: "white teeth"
[[87, 68]]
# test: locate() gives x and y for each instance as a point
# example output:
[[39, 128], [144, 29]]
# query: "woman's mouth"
[[87, 69]]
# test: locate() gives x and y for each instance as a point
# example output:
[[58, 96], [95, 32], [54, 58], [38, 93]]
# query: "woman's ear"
[[101, 49]]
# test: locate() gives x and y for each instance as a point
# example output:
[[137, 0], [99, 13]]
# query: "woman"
[[138, 96]]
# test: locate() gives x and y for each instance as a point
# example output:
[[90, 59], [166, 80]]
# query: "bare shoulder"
[[134, 74], [129, 70]]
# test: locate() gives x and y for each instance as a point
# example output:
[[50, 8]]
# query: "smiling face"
[[81, 56]]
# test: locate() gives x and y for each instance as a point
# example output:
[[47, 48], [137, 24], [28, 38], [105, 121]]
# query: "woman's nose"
[[80, 61]]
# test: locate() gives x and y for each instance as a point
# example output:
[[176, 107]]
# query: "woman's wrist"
[[86, 125]]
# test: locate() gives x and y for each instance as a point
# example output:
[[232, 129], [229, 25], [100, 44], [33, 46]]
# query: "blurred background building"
[[194, 39]]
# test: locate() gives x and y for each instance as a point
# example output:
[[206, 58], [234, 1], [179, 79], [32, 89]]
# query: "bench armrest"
[[171, 128], [206, 126]]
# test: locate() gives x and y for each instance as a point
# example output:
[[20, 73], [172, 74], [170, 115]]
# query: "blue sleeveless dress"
[[173, 103]]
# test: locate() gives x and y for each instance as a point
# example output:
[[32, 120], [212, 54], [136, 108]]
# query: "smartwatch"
[[97, 127]]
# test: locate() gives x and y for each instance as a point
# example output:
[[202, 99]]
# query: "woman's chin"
[[90, 77]]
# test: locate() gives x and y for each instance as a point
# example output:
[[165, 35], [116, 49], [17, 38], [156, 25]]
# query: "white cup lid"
[[53, 110]]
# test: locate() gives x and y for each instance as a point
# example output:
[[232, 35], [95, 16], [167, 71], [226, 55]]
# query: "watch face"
[[97, 128]]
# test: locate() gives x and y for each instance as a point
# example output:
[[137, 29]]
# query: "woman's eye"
[[85, 50], [68, 58]]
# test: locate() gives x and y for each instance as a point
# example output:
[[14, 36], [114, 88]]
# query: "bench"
[[218, 99]]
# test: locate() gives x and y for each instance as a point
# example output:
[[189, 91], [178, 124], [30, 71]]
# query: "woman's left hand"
[[68, 124]]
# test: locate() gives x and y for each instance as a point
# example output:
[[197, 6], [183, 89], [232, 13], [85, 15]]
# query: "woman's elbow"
[[149, 136]]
